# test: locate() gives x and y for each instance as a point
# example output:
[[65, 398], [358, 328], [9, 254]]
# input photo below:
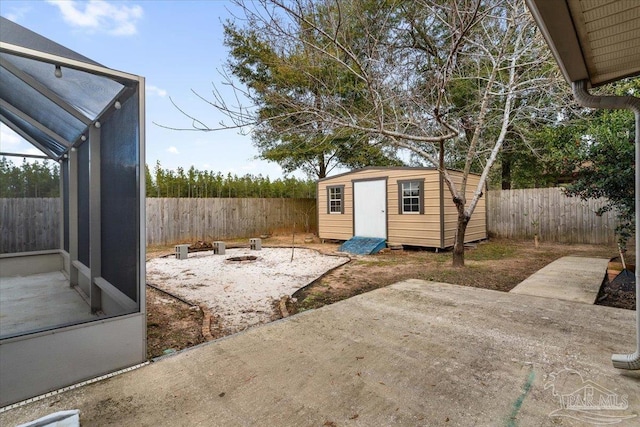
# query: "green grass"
[[443, 257], [490, 251], [313, 300], [378, 262]]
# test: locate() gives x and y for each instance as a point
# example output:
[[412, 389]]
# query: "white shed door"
[[370, 208]]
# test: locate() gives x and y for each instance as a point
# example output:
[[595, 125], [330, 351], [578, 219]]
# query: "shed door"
[[370, 208]]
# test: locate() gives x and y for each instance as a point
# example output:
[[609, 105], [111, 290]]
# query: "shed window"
[[335, 199], [411, 197]]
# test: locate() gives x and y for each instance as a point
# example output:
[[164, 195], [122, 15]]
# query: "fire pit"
[[243, 258]]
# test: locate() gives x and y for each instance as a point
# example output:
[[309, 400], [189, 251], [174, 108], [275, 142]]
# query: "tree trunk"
[[322, 167], [506, 171], [458, 246], [507, 159]]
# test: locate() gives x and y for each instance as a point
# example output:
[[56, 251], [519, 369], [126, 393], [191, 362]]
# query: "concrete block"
[[255, 244], [182, 251], [219, 248]]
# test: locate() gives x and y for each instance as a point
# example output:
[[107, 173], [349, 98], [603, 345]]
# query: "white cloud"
[[100, 15], [173, 150], [17, 13], [155, 90], [13, 143], [9, 137]]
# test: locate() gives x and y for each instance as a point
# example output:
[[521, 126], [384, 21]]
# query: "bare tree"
[[426, 76]]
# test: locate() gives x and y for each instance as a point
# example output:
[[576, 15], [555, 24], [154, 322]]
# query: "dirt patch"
[[617, 298], [172, 325], [243, 258]]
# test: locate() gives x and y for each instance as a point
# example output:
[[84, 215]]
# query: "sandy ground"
[[240, 294]]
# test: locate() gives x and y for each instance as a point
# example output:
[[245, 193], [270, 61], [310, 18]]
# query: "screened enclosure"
[[76, 311]]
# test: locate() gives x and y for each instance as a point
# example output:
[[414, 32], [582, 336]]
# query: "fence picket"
[[513, 214]]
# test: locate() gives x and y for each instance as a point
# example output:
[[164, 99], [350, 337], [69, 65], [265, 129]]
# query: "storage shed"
[[76, 311], [404, 205]]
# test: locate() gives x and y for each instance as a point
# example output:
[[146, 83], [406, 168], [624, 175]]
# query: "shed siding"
[[414, 229], [335, 226], [406, 229]]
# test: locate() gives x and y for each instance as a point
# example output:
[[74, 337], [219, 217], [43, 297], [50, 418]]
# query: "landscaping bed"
[[617, 293]]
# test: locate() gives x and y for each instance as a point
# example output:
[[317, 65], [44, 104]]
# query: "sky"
[[178, 47]]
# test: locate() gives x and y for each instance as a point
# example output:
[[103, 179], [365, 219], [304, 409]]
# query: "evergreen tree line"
[[42, 179], [36, 179], [196, 183]]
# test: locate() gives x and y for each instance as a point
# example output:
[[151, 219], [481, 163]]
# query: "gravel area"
[[240, 294]]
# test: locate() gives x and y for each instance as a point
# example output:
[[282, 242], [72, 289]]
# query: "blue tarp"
[[363, 245]]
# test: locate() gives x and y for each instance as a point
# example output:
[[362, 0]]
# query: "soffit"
[[597, 40]]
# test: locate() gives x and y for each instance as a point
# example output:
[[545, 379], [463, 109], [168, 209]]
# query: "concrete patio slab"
[[415, 353], [569, 278], [39, 301]]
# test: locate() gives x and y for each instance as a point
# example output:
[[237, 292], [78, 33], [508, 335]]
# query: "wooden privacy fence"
[[550, 214], [29, 224], [34, 224], [187, 220]]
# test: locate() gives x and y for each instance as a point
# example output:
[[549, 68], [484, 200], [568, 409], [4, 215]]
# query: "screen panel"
[[120, 198]]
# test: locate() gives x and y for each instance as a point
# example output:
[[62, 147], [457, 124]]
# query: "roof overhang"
[[593, 40], [51, 95]]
